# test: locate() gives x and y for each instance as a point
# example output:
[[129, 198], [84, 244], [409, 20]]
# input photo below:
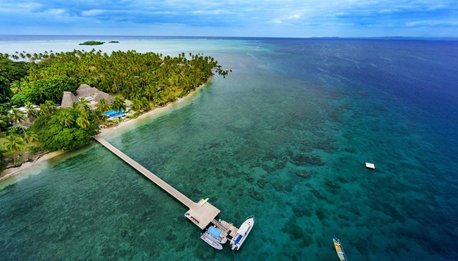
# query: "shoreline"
[[8, 173], [106, 132], [126, 123]]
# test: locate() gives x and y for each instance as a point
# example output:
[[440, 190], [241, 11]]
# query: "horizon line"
[[249, 37]]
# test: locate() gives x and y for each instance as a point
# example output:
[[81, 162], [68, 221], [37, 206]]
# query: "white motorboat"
[[242, 233]]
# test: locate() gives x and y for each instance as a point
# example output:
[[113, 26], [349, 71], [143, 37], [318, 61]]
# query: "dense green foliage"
[[9, 72], [41, 90], [2, 161], [67, 129], [130, 74], [14, 144], [5, 122], [92, 43], [146, 79]]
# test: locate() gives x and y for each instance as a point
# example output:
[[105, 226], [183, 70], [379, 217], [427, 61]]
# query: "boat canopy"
[[214, 232]]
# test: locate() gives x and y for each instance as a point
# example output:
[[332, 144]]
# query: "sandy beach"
[[7, 173], [107, 132], [129, 123]]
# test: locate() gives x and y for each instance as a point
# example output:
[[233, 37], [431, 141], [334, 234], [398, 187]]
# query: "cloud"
[[9, 6], [432, 23], [93, 12], [55, 11], [210, 12], [291, 16]]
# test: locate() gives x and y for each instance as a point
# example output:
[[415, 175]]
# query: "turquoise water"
[[284, 138]]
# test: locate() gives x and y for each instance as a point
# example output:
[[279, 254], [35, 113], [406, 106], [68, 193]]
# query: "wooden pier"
[[201, 213]]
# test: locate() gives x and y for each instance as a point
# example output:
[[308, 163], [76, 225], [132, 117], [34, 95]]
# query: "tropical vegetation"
[[68, 128], [37, 82]]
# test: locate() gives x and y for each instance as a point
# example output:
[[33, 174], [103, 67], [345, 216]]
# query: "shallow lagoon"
[[284, 138]]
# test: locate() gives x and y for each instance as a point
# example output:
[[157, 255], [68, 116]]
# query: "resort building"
[[91, 94]]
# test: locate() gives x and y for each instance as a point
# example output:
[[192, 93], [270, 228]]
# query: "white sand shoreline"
[[8, 173], [107, 132]]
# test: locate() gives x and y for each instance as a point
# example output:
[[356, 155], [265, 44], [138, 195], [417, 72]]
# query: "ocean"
[[284, 138]]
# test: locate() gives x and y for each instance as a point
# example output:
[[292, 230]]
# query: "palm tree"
[[17, 115], [103, 105], [83, 121], [82, 105], [149, 91], [137, 105], [30, 136], [65, 118], [4, 121], [145, 104], [32, 113], [14, 144], [119, 104], [47, 108]]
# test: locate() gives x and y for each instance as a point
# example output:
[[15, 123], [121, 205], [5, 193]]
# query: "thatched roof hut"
[[92, 94], [68, 99]]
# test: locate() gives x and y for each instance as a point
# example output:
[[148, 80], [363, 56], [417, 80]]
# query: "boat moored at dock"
[[242, 233], [213, 237]]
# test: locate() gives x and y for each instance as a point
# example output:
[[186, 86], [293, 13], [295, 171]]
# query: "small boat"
[[242, 233], [339, 249], [370, 165], [213, 237]]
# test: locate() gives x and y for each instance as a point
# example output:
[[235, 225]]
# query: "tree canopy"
[[129, 74], [146, 79], [67, 128], [10, 71]]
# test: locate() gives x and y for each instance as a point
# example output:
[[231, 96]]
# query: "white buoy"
[[370, 165]]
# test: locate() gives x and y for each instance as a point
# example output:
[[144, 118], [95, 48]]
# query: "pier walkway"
[[201, 213]]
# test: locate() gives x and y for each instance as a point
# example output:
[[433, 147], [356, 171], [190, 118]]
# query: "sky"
[[270, 18]]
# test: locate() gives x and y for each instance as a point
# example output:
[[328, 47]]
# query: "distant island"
[[92, 43], [113, 42]]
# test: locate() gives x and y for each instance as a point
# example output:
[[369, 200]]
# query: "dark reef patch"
[[256, 195], [332, 186], [303, 174], [261, 183]]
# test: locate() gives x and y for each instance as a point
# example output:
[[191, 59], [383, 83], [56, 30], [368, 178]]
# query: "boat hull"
[[242, 233], [211, 241], [339, 250]]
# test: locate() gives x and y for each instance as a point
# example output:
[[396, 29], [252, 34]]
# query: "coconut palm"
[[47, 108], [17, 116], [137, 105], [119, 104], [4, 121], [103, 105], [30, 136], [83, 121], [82, 105], [32, 113], [145, 104], [14, 144], [65, 118]]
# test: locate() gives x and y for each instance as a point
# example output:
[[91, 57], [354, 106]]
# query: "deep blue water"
[[285, 138]]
